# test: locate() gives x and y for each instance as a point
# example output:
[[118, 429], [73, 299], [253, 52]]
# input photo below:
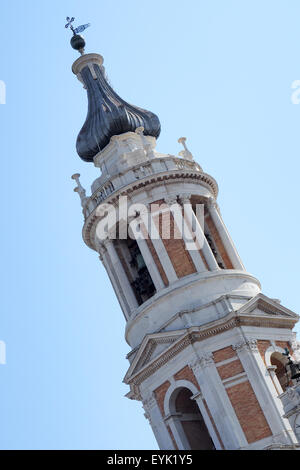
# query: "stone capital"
[[246, 345], [185, 199], [204, 360], [149, 402], [212, 203], [171, 200]]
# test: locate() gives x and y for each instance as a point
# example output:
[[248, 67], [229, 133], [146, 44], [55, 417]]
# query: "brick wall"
[[224, 354], [179, 256], [249, 412], [242, 396], [175, 246], [230, 370], [262, 347], [187, 374], [160, 395]]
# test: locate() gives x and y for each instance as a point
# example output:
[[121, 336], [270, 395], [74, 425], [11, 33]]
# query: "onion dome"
[[108, 114]]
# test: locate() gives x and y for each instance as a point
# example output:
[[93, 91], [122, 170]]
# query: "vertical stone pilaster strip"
[[218, 403], [203, 243], [153, 414], [104, 258], [263, 389], [188, 217], [224, 235], [147, 255], [121, 275], [209, 422]]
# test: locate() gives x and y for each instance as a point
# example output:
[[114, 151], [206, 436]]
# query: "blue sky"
[[219, 73]]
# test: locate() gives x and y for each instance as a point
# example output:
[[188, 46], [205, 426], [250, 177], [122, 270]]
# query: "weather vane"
[[77, 41]]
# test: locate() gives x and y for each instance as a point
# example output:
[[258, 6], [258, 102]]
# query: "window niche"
[[136, 269], [210, 232]]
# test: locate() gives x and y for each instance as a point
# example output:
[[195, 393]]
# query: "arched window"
[[190, 421], [136, 269], [277, 359]]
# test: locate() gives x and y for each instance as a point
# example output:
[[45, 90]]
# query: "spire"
[[108, 114]]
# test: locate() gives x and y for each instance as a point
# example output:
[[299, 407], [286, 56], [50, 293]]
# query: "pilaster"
[[250, 358], [218, 403], [157, 423], [120, 275], [224, 235]]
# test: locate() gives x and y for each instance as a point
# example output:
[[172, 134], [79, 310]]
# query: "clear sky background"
[[217, 72]]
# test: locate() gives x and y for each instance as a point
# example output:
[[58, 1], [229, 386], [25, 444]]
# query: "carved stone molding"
[[134, 393], [248, 344], [212, 204], [185, 198], [204, 360], [92, 217], [197, 396], [171, 200], [149, 403]]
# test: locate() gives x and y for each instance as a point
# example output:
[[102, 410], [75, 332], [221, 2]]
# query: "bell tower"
[[207, 346]]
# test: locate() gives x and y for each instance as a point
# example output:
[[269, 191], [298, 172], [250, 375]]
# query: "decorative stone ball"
[[77, 42]]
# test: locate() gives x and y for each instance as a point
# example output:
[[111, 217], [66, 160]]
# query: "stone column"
[[186, 223], [224, 235], [144, 249], [198, 397], [161, 251], [173, 421], [201, 238], [272, 372], [218, 403], [104, 258], [120, 275], [153, 414], [250, 358]]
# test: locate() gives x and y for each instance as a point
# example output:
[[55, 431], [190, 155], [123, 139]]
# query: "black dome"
[[108, 115]]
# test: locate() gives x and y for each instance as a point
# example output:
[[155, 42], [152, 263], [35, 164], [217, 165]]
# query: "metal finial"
[[77, 41], [69, 23], [77, 30]]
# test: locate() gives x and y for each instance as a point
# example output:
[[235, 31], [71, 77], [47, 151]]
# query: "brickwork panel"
[[179, 256], [187, 374], [224, 354], [263, 345], [231, 369], [172, 240], [157, 262], [249, 412], [160, 393]]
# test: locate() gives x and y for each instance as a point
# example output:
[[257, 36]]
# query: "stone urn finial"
[[185, 153]]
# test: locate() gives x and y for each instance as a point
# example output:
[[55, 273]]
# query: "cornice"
[[147, 182], [198, 334]]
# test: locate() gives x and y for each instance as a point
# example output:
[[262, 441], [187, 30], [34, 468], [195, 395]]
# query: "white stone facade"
[[207, 333]]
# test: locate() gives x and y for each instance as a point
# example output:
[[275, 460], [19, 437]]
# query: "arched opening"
[[190, 421], [136, 269], [278, 360]]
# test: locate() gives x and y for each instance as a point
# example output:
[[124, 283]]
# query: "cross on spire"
[[77, 30], [69, 24]]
